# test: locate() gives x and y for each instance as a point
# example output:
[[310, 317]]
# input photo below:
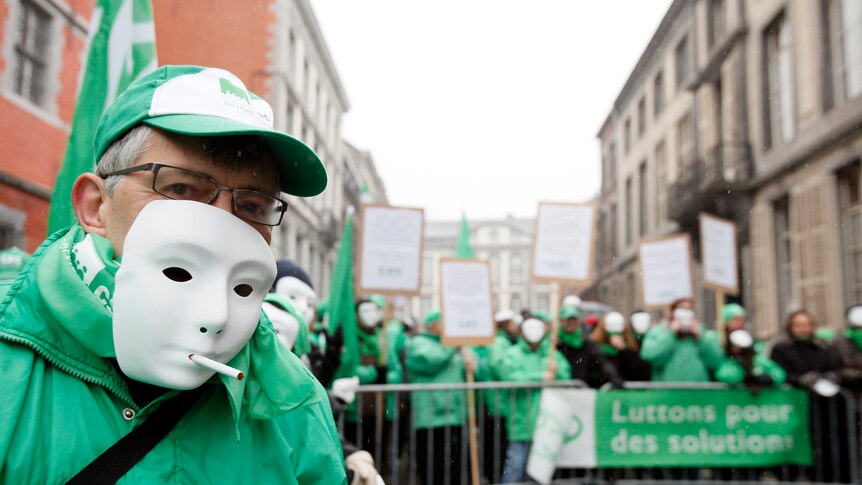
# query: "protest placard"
[[669, 428], [390, 249], [718, 254], [466, 311], [564, 243], [665, 266]]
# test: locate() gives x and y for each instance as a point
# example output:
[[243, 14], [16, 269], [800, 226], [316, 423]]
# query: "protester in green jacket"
[[76, 381], [437, 415], [676, 350], [528, 361], [743, 364]]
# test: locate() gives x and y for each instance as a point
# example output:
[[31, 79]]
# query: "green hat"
[[378, 300], [543, 316], [11, 262], [731, 311], [569, 312], [202, 101], [432, 316]]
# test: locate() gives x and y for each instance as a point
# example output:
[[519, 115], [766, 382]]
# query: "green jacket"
[[521, 364], [396, 339], [490, 357], [675, 359], [63, 402], [731, 372], [429, 362]]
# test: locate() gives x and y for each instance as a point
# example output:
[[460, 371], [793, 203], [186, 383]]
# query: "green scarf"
[[609, 350], [76, 282], [854, 335], [572, 339]]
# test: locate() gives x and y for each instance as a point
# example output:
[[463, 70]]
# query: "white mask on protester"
[[303, 296], [370, 314], [741, 339], [615, 322], [192, 280], [286, 325], [641, 322], [854, 317], [684, 316], [533, 330]]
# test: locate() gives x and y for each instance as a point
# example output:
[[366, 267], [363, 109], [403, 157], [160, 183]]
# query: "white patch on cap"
[[571, 300], [854, 317], [504, 316], [211, 92]]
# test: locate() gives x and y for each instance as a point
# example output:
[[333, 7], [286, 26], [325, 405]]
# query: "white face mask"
[[285, 325], [854, 317], [615, 322], [303, 297], [192, 281], [741, 339], [533, 330], [684, 316], [370, 314], [641, 322]]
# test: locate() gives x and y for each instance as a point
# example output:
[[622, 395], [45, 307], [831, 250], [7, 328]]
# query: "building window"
[[681, 62], [684, 147], [717, 21], [781, 122], [642, 116], [494, 261], [516, 270], [642, 199], [629, 210], [543, 303], [515, 303], [612, 223], [658, 93], [783, 254], [306, 81], [612, 163], [11, 227], [850, 204], [627, 135], [291, 53], [661, 181], [31, 52], [425, 305], [844, 24], [427, 272]]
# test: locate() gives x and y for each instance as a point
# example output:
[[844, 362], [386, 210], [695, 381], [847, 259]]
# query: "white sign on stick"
[[665, 270], [390, 250], [718, 253], [466, 312], [564, 243], [565, 433]]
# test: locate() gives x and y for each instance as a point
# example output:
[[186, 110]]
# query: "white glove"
[[362, 465], [345, 389]]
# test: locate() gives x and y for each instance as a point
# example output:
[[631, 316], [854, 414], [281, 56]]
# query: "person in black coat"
[[805, 357], [585, 357]]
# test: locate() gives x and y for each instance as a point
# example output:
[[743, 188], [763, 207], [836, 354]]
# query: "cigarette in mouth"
[[217, 366]]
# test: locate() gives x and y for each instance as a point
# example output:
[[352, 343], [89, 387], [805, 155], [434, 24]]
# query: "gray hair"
[[122, 153]]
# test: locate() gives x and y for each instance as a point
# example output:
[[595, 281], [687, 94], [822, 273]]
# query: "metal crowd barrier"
[[394, 441]]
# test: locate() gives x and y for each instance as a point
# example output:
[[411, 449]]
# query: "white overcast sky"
[[484, 106]]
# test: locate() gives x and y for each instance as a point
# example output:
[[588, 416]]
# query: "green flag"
[[464, 250], [341, 311], [121, 47]]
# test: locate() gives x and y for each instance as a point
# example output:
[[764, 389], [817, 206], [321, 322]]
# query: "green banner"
[[722, 428]]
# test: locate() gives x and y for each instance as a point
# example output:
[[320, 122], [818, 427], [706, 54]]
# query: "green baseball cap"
[[569, 312], [432, 316], [203, 101], [731, 311], [543, 316]]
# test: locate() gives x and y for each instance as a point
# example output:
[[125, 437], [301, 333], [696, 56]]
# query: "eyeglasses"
[[181, 184]]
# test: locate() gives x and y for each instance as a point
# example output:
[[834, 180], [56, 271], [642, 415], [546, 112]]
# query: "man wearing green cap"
[[181, 135], [586, 359]]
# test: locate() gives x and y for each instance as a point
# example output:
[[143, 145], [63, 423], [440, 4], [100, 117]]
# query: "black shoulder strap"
[[111, 465]]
